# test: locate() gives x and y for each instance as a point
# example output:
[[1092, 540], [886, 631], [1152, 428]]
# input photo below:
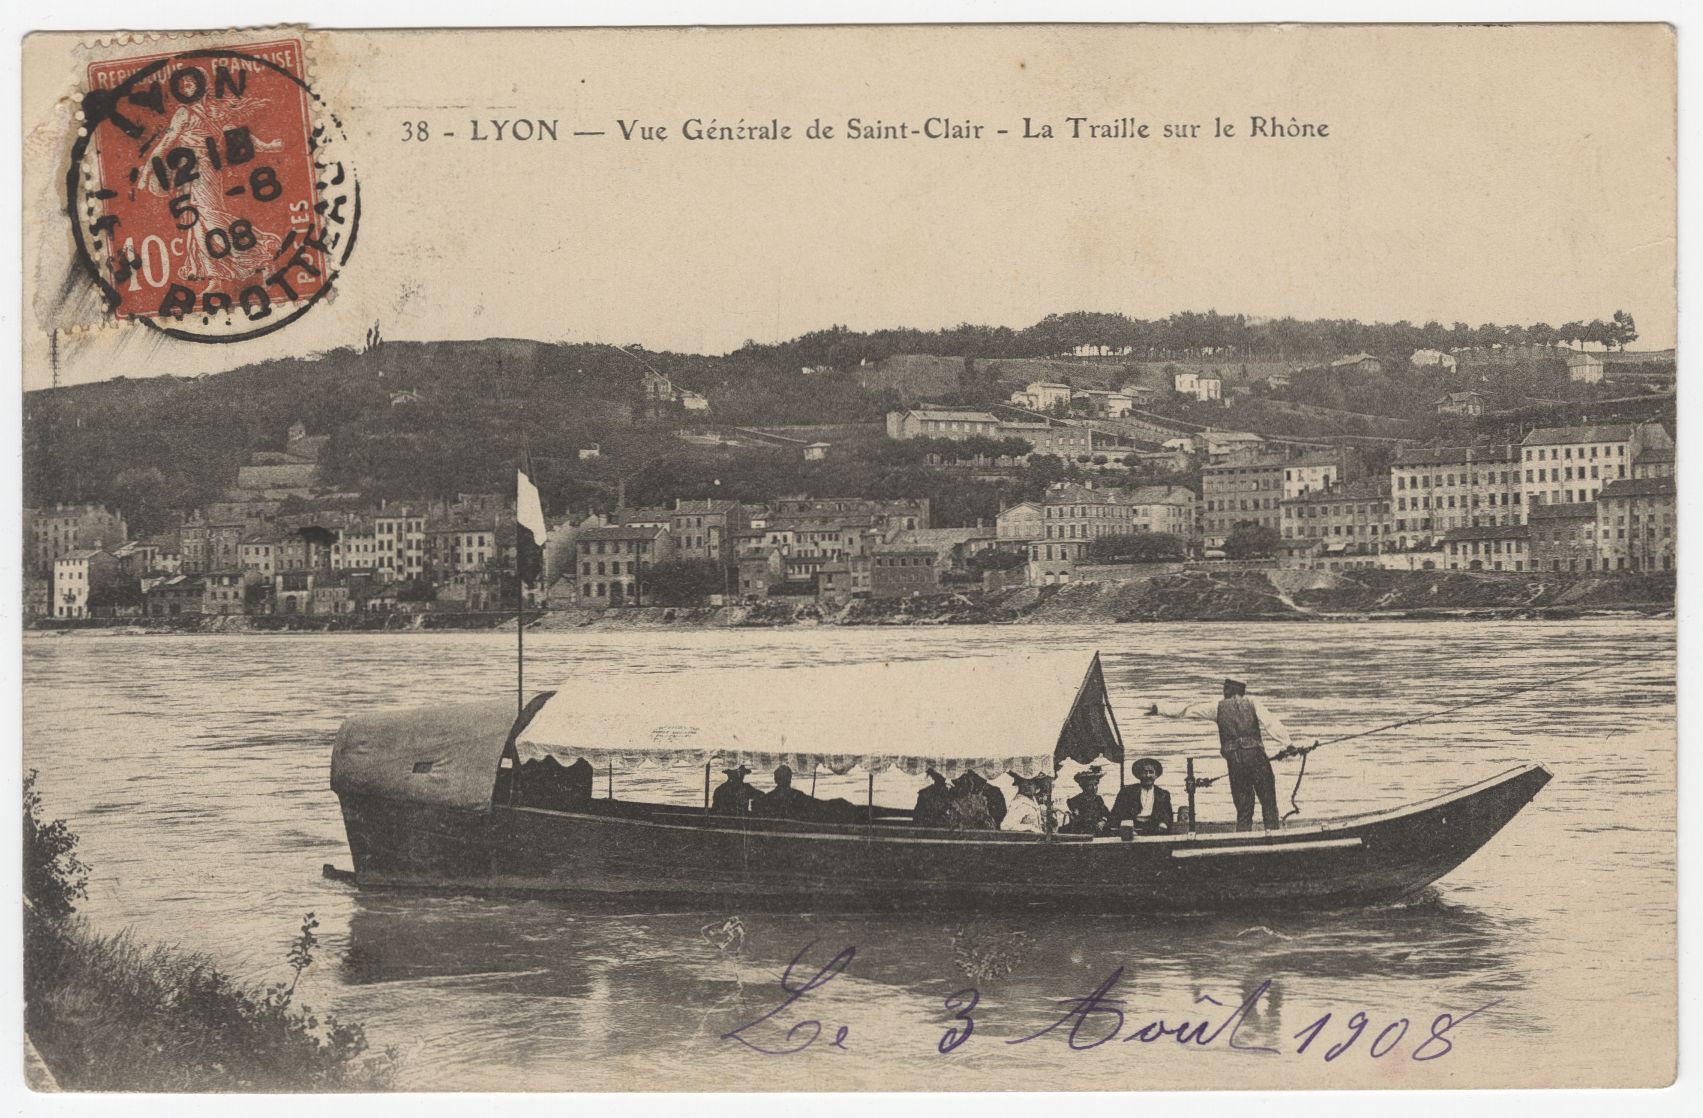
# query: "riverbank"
[[108, 1013], [1269, 595]]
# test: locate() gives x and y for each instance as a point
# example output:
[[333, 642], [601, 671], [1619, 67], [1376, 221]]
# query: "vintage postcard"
[[849, 558]]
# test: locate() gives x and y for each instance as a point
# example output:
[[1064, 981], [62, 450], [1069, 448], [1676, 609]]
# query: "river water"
[[195, 770]]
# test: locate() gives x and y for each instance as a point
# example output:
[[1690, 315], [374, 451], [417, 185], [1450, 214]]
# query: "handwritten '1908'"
[[1096, 1019]]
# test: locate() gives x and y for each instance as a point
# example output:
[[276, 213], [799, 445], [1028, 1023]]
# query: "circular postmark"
[[210, 194]]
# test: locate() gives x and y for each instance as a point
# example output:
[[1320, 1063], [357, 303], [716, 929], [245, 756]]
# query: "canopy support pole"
[[611, 785], [1189, 784], [870, 801], [706, 787]]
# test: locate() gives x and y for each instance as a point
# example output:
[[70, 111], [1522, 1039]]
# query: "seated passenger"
[[973, 785], [1144, 802], [733, 796], [968, 811], [932, 802], [784, 801], [1026, 815], [1088, 814], [545, 783], [576, 782]]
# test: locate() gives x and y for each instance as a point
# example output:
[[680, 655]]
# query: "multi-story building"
[[1437, 489], [212, 545], [258, 554], [224, 592], [1203, 386], [460, 547], [1340, 521], [1064, 441], [1050, 563], [52, 532], [834, 584], [1490, 547], [1170, 509], [1654, 462], [1563, 536], [902, 572], [887, 515], [612, 562], [1021, 521], [1636, 523], [1310, 473], [1243, 490], [401, 538], [941, 423], [79, 577], [178, 596], [705, 529], [356, 549], [1073, 515], [1570, 465], [761, 568]]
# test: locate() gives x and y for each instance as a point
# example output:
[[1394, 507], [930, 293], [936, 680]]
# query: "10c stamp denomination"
[[210, 193]]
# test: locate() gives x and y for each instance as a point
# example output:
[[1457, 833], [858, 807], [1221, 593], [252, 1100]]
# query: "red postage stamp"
[[208, 194]]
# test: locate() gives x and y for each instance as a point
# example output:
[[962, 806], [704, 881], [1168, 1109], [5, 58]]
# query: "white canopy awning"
[[990, 714]]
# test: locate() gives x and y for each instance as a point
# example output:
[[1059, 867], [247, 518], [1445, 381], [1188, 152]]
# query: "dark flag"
[[1090, 730], [529, 527]]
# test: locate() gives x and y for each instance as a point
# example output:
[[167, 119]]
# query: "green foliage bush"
[[110, 1014]]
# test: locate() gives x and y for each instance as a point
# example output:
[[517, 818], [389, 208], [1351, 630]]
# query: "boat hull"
[[680, 858]]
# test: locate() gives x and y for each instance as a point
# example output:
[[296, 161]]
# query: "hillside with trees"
[[410, 420]]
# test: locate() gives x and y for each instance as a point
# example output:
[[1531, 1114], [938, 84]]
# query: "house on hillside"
[[1461, 403], [1433, 359], [1042, 395], [941, 423], [1358, 363], [1202, 386], [1584, 368], [660, 397]]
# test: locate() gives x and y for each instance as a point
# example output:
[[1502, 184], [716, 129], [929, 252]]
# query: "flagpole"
[[519, 606]]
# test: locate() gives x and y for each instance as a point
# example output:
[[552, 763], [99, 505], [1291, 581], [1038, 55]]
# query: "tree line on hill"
[[1186, 335]]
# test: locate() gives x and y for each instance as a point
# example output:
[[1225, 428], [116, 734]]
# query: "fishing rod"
[[1302, 751]]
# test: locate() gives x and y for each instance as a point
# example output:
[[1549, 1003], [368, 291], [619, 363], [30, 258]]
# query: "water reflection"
[[661, 968]]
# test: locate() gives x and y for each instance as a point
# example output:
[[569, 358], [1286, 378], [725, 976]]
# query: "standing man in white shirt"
[[1244, 726]]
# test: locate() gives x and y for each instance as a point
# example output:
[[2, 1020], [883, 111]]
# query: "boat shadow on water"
[[655, 964]]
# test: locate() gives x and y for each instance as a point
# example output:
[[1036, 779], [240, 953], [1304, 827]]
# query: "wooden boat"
[[440, 800]]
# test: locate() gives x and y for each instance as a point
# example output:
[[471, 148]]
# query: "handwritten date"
[[1098, 1018]]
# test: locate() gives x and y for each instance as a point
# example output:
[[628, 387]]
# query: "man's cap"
[[1158, 769], [1235, 684], [737, 770]]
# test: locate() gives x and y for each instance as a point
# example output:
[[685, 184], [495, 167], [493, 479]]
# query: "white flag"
[[528, 511]]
